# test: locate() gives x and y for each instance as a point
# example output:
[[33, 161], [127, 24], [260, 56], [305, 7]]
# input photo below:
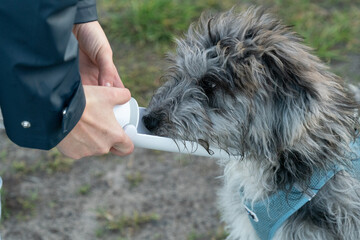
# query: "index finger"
[[124, 148]]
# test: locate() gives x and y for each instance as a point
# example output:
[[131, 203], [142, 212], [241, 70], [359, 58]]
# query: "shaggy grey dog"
[[245, 83]]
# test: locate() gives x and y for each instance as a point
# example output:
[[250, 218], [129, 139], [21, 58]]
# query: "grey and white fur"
[[246, 83]]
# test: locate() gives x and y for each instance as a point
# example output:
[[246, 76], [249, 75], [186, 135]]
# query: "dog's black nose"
[[151, 121]]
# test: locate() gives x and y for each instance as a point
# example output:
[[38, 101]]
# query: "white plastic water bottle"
[[130, 117]]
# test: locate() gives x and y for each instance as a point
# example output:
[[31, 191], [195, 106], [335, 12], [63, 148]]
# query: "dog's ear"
[[311, 115], [293, 84], [288, 75]]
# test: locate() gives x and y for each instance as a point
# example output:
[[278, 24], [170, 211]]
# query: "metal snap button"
[[25, 124]]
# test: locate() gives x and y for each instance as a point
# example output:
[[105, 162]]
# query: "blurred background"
[[150, 194]]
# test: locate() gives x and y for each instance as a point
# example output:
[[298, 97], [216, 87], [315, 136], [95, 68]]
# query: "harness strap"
[[267, 216]]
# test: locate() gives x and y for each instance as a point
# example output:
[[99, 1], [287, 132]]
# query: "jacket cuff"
[[86, 12], [72, 113], [70, 116]]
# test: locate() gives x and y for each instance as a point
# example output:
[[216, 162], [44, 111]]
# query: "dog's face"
[[244, 83]]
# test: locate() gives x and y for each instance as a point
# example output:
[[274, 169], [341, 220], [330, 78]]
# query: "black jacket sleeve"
[[41, 96]]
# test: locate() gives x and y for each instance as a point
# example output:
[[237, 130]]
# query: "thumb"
[[108, 74]]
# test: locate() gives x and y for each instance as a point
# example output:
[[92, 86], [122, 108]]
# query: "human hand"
[[95, 56], [98, 132]]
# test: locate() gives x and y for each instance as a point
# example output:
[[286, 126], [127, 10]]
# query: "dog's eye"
[[208, 86]]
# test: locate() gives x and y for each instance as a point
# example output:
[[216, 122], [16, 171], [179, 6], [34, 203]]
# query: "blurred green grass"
[[331, 27], [141, 31], [152, 21]]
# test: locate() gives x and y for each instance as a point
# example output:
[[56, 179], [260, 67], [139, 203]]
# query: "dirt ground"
[[147, 195], [177, 193]]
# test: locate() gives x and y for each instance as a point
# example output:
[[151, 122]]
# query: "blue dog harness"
[[267, 216]]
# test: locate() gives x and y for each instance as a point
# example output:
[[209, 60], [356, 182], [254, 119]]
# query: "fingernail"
[[108, 84]]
